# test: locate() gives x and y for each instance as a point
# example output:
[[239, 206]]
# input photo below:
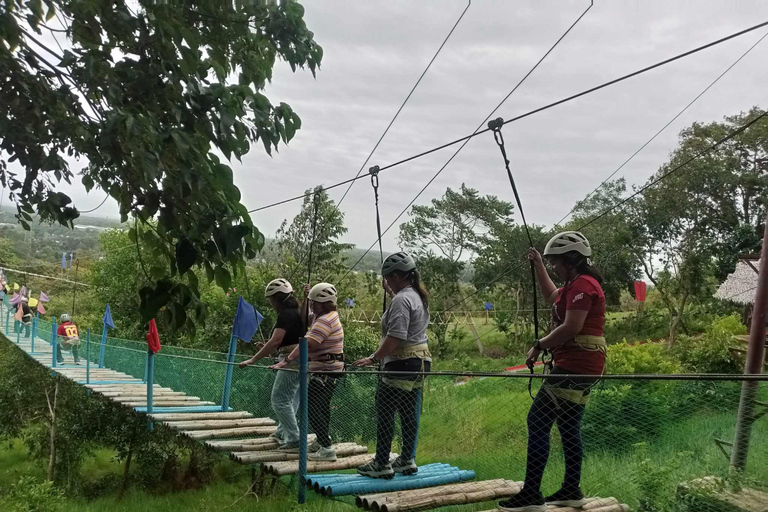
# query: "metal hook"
[[374, 172]]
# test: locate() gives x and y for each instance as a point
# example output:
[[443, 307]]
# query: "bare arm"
[[571, 327], [547, 287], [270, 346]]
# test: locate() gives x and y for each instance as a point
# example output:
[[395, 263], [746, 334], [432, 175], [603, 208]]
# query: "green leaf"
[[209, 272], [186, 255], [223, 277]]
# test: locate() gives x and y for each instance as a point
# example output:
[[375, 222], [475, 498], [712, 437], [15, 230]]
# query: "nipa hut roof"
[[741, 285]]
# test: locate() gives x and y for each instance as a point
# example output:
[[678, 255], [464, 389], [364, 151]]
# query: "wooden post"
[[754, 364], [303, 417]]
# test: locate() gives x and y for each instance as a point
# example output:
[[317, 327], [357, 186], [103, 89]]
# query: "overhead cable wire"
[[694, 100], [434, 57], [531, 112], [94, 209], [514, 267], [674, 170], [477, 130]]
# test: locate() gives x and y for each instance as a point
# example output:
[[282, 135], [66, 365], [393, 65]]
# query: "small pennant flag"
[[15, 287], [489, 306], [23, 291], [40, 308], [63, 260], [19, 314], [153, 338], [44, 297], [33, 302], [350, 302], [108, 318], [15, 299], [640, 291], [247, 321]]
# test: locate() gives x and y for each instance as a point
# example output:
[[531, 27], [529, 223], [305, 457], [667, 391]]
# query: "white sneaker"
[[313, 447], [323, 454]]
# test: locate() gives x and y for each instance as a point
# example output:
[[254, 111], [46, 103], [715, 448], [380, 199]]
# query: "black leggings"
[[391, 400], [320, 392], [544, 412]]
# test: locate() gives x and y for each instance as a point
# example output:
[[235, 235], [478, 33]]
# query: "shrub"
[[30, 495], [360, 340], [641, 358], [710, 352]]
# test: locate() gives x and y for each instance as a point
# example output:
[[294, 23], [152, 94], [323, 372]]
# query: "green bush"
[[360, 340], [710, 352], [641, 358], [30, 495]]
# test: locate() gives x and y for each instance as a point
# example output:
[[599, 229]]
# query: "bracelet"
[[372, 357]]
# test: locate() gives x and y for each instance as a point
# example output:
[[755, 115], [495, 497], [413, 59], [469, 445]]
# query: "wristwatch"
[[372, 357], [537, 344]]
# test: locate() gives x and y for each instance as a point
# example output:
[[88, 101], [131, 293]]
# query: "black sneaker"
[[524, 502], [374, 470], [567, 498], [405, 466]]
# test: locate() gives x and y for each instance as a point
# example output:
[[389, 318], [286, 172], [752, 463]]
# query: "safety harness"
[[408, 382]]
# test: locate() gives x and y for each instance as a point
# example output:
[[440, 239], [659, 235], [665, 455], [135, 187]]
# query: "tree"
[[612, 237], [317, 227], [144, 96]]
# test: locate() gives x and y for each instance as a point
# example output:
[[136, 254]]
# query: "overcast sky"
[[375, 51]]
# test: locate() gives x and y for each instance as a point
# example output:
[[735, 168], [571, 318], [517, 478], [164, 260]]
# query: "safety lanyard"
[[495, 126], [374, 172]]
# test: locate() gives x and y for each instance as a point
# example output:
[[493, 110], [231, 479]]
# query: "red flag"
[[640, 289], [19, 313], [40, 308], [153, 338]]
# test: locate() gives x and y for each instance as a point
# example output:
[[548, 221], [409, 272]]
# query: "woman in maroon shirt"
[[578, 348]]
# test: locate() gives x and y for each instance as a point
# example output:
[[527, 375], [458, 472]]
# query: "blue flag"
[[63, 260], [488, 306], [108, 318], [247, 321]]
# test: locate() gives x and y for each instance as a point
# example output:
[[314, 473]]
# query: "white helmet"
[[278, 285], [568, 241], [323, 292], [398, 261], [65, 318]]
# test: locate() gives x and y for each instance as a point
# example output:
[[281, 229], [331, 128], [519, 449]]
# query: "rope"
[[100, 205], [374, 172], [476, 132], [535, 111], [694, 100], [469, 3]]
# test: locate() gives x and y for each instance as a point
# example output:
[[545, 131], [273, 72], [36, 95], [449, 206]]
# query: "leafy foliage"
[[145, 97], [30, 495]]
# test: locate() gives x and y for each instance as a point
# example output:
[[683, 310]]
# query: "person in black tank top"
[[289, 328]]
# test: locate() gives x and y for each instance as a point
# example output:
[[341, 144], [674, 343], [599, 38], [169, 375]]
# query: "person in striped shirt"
[[325, 341]]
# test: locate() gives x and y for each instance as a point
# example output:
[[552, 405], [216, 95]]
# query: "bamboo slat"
[[593, 505], [342, 450], [387, 497], [202, 435], [167, 404], [219, 424], [156, 399], [248, 445], [418, 503], [292, 468], [183, 416], [141, 393]]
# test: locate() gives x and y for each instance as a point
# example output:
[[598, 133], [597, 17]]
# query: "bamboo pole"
[[219, 424], [156, 398], [202, 435], [248, 445], [486, 494], [292, 468], [595, 503], [182, 416], [342, 450], [131, 393], [387, 497], [167, 404]]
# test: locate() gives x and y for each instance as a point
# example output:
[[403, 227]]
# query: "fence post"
[[7, 320], [754, 364], [303, 418], [103, 346], [18, 333], [150, 385], [34, 333], [88, 356], [228, 373], [54, 342]]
